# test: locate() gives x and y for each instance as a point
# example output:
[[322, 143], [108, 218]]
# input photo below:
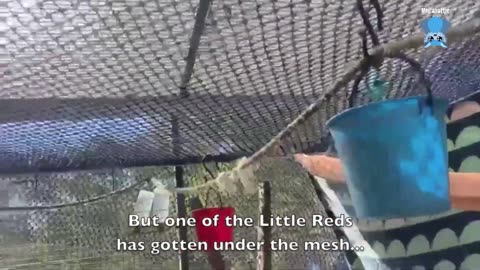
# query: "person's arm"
[[464, 187], [323, 166]]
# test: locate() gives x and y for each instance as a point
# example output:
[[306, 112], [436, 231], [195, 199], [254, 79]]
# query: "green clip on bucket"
[[394, 157]]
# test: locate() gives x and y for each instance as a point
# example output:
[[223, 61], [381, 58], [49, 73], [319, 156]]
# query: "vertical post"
[[181, 209], [264, 257], [182, 213], [199, 25]]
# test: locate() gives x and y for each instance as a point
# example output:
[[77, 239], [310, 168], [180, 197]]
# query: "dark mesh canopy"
[[95, 84]]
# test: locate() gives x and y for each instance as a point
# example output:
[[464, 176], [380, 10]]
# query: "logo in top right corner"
[[435, 29]]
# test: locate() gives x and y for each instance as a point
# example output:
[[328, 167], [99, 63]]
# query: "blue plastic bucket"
[[394, 156]]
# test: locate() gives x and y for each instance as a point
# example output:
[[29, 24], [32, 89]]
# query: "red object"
[[213, 234]]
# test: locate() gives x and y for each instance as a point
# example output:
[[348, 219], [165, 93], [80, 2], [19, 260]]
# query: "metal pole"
[[182, 213], [265, 234], [181, 209], [198, 27], [192, 52]]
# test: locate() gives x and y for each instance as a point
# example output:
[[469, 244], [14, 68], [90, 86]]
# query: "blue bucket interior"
[[394, 156]]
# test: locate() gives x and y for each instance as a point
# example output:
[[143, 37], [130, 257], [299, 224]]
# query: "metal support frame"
[[181, 209], [182, 213], [202, 12]]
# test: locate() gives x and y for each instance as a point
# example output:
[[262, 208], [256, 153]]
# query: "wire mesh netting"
[[93, 84], [85, 236]]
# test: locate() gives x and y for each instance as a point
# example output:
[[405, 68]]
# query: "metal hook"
[[376, 62], [366, 22], [379, 11], [206, 167]]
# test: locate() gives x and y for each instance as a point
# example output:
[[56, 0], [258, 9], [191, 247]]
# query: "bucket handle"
[[418, 67], [205, 167], [207, 170], [207, 196]]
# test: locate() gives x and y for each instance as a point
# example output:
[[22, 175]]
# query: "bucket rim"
[[349, 111]]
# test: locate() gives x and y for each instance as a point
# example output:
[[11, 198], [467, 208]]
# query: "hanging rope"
[[390, 50]]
